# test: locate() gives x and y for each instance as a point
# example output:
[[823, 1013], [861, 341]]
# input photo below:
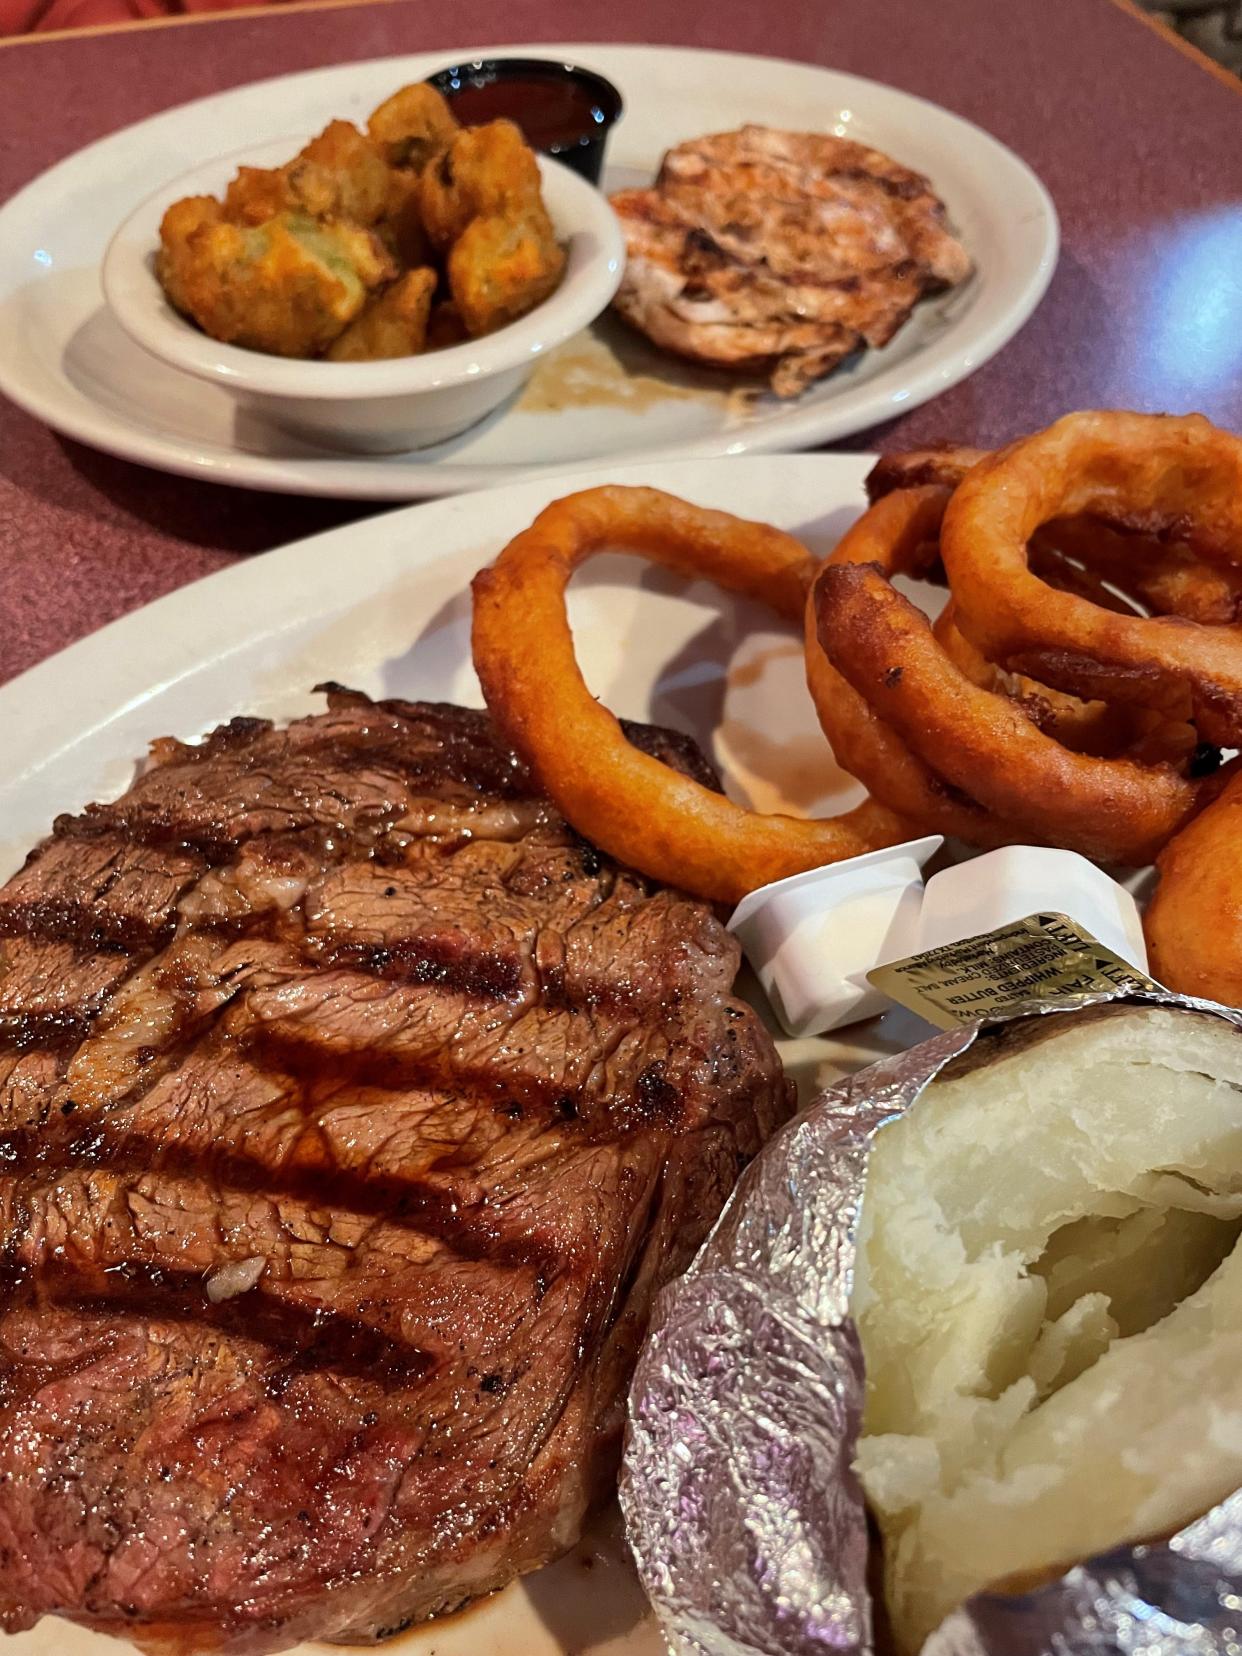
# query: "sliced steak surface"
[[352, 1110]]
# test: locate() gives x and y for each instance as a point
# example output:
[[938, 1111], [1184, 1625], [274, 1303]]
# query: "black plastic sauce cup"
[[562, 110]]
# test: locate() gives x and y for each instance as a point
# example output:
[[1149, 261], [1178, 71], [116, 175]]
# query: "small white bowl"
[[368, 407]]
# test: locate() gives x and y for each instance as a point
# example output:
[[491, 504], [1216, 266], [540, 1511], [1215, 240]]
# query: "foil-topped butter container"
[[747, 1524]]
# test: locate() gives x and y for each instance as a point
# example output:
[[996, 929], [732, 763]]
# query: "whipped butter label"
[[1044, 958]]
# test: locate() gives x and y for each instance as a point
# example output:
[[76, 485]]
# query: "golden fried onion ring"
[[1085, 726], [1193, 923], [898, 533], [1153, 473], [1164, 578], [945, 464], [1167, 579], [960, 735], [1104, 729], [631, 805]]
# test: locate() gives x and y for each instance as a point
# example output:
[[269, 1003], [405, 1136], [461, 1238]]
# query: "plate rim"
[[116, 664], [409, 479]]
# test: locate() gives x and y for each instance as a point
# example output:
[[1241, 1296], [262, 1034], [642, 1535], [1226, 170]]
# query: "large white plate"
[[384, 605], [64, 359]]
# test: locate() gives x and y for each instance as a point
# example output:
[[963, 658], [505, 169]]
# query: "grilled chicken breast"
[[781, 252]]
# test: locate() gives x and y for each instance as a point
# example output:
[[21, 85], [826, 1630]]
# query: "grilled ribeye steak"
[[354, 1110], [781, 251]]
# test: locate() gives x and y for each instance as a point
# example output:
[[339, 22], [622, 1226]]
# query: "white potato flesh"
[[1050, 1303]]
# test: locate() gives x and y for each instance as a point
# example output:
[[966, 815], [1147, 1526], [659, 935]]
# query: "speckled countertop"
[[1137, 142]]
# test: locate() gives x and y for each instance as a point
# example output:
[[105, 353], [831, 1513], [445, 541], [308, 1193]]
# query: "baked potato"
[[1049, 1297]]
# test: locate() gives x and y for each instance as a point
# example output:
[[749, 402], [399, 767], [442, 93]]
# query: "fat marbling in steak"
[[354, 1108]]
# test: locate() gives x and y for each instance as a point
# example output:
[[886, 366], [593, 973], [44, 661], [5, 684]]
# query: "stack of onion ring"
[[947, 741], [1173, 477], [1070, 693]]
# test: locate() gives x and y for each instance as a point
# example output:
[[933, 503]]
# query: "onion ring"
[[1085, 726], [1165, 579], [1102, 729], [1193, 923], [1153, 473], [1110, 809], [944, 464], [900, 532], [1082, 726], [1053, 563], [631, 805], [965, 736]]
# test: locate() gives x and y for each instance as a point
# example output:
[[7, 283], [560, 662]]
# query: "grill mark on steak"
[[304, 1339], [99, 893], [515, 1094], [88, 1236], [352, 999], [51, 991], [347, 1025], [489, 936], [428, 1199], [447, 961]]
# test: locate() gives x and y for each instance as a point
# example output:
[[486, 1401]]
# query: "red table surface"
[[1137, 143]]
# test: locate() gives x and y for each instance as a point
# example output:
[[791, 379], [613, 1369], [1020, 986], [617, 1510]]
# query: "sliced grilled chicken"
[[783, 252]]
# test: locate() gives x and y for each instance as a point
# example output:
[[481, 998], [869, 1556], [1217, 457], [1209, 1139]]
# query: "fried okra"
[[401, 227], [502, 266], [258, 194], [487, 171], [393, 325], [412, 126], [414, 235], [289, 286], [445, 326], [340, 174]]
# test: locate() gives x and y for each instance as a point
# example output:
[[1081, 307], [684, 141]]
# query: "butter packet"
[[1033, 963]]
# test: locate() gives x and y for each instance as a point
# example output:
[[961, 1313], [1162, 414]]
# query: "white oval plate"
[[384, 605], [608, 393]]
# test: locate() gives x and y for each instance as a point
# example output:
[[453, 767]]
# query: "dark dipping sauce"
[[562, 111]]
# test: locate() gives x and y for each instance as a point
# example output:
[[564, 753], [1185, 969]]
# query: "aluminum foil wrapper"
[[747, 1524]]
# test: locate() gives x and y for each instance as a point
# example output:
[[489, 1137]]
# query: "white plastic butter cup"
[[811, 938], [999, 887]]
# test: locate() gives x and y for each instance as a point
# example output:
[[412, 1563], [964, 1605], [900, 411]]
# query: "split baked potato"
[[1049, 1296]]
